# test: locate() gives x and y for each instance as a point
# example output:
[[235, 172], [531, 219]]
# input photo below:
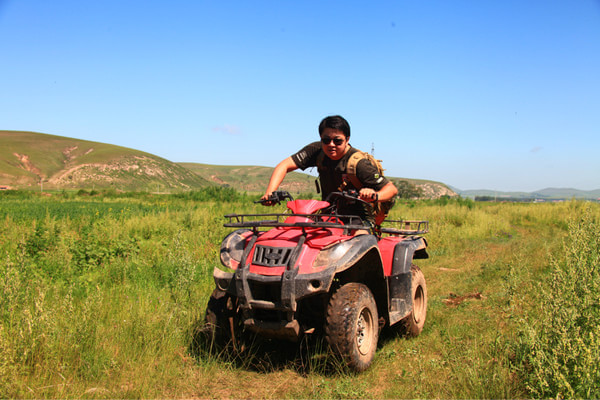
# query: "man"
[[331, 156]]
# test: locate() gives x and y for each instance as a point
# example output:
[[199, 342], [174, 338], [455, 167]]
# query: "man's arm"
[[278, 174], [387, 192]]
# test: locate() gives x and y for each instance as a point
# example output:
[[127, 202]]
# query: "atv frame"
[[306, 271]]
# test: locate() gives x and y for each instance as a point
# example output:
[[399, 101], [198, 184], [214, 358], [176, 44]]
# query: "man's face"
[[334, 143]]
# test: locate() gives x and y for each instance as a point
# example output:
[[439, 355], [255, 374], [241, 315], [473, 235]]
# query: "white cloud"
[[228, 129]]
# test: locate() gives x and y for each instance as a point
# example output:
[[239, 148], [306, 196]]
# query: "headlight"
[[331, 255], [232, 248]]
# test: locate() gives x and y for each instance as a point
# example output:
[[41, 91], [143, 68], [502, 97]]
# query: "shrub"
[[559, 344]]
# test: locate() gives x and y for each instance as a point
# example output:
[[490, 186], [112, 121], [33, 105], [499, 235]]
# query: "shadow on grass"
[[309, 355]]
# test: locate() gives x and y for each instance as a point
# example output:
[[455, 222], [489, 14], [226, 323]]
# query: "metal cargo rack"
[[256, 221], [404, 228]]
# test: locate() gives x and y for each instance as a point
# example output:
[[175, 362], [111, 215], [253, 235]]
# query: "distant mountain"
[[567, 193], [543, 194], [29, 159]]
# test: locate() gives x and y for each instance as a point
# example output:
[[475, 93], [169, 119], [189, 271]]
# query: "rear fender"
[[400, 281], [407, 250]]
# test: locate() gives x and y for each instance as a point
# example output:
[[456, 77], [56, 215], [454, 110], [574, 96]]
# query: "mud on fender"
[[345, 254]]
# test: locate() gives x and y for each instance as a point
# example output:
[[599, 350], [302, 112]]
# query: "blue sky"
[[501, 95]]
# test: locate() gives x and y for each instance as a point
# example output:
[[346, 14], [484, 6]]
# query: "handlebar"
[[278, 196], [352, 195]]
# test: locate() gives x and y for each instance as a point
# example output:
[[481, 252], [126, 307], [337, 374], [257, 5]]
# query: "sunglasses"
[[336, 141]]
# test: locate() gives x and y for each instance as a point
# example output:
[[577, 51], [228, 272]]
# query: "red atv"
[[309, 273]]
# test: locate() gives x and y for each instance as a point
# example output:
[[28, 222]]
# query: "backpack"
[[380, 208]]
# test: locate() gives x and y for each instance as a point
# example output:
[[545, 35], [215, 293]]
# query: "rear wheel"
[[351, 327], [415, 321]]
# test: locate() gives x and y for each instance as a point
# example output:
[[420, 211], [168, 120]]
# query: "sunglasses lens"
[[336, 141]]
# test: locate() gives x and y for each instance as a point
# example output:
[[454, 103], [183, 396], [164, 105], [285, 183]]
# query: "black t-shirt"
[[332, 173]]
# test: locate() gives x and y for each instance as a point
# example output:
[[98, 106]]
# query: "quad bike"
[[309, 272]]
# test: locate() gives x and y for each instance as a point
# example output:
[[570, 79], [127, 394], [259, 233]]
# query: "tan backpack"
[[380, 208]]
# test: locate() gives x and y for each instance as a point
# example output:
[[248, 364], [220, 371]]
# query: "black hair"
[[335, 122]]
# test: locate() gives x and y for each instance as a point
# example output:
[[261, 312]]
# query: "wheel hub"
[[363, 331]]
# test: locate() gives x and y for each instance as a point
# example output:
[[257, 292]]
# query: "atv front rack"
[[352, 222], [405, 228], [256, 221]]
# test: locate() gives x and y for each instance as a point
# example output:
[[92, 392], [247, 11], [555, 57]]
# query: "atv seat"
[[304, 207]]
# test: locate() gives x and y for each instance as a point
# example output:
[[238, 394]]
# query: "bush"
[[213, 193], [559, 344]]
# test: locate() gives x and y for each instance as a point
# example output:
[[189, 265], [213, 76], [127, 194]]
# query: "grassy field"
[[101, 297]]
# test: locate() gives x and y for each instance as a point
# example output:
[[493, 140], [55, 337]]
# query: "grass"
[[100, 297]]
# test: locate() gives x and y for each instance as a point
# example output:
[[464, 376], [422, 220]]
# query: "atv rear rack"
[[277, 221], [406, 228]]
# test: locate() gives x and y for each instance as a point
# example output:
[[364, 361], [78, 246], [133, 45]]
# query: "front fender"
[[344, 255]]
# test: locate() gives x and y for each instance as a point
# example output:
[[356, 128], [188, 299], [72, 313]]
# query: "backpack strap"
[[381, 209]]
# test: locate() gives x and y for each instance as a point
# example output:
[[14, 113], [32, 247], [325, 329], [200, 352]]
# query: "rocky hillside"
[[434, 190]]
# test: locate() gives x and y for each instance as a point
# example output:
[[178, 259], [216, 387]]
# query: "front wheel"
[[352, 328], [415, 321], [222, 325]]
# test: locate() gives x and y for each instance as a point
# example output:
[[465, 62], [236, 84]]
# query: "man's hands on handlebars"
[[273, 198], [369, 195]]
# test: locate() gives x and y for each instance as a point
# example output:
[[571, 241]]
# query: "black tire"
[[415, 321], [352, 328]]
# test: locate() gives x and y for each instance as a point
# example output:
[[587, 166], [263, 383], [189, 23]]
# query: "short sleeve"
[[369, 175], [307, 157]]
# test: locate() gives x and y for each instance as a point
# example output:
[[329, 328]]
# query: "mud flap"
[[400, 304], [400, 296]]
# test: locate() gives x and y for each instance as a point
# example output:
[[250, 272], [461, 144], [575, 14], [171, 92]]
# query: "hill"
[[28, 159], [251, 178], [255, 179]]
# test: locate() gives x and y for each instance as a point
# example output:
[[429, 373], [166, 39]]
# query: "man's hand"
[[265, 199], [275, 197], [368, 195]]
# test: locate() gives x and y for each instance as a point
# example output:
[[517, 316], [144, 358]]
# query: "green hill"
[[255, 179], [28, 159], [251, 178]]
